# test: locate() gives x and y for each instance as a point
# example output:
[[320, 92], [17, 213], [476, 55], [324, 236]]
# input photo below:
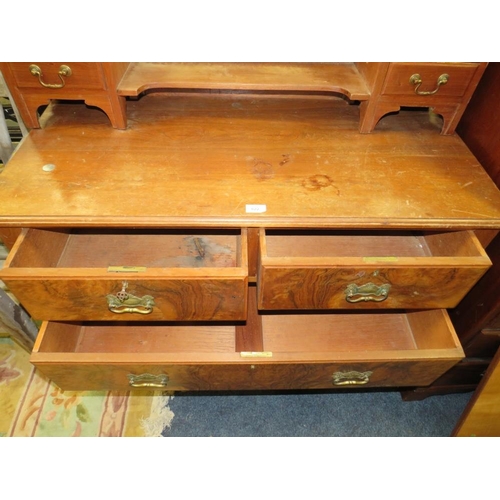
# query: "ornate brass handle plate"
[[148, 380], [124, 302], [64, 71], [365, 293], [351, 378], [416, 81]]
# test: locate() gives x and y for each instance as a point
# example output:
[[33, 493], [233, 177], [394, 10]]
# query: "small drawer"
[[300, 351], [459, 76], [54, 77], [130, 275], [353, 270]]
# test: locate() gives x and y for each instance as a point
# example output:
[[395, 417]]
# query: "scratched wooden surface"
[[200, 160]]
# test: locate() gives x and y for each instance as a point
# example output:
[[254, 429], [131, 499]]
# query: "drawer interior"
[[357, 333], [87, 248], [365, 244], [288, 337], [109, 337]]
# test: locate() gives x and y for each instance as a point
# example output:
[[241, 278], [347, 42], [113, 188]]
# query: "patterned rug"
[[31, 406]]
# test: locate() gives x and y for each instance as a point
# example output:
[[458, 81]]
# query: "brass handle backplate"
[[148, 380], [416, 81], [124, 302], [64, 71], [351, 378], [365, 293]]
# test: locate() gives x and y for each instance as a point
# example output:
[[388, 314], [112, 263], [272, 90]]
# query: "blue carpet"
[[313, 414]]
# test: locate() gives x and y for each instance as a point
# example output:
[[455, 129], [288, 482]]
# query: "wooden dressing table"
[[234, 241]]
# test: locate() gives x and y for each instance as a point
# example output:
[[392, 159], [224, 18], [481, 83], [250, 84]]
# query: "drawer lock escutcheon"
[[367, 292], [351, 378], [124, 302], [416, 81], [64, 71], [148, 380]]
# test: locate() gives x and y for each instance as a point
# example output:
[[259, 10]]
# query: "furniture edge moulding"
[[106, 98]]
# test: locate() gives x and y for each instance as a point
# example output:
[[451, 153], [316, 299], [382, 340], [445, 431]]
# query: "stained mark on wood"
[[262, 170], [199, 247], [319, 181], [203, 251]]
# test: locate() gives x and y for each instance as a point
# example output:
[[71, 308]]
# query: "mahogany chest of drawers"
[[244, 241]]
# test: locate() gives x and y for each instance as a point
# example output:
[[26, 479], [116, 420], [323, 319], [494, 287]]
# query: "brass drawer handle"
[[365, 293], [416, 80], [148, 380], [351, 378], [124, 302], [64, 71]]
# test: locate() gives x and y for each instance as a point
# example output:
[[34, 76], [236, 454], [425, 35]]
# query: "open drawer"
[[353, 270], [295, 351], [130, 275]]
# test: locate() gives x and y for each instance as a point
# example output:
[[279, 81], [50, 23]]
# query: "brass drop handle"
[[416, 80], [64, 71], [124, 302], [351, 378], [148, 380], [364, 293]]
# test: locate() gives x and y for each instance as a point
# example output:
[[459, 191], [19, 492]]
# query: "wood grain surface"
[[200, 160], [341, 78]]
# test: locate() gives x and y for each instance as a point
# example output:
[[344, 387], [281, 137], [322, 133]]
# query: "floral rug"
[[31, 406]]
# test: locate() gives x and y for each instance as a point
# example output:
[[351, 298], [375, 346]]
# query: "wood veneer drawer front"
[[349, 270], [300, 352], [397, 81], [83, 76], [132, 276]]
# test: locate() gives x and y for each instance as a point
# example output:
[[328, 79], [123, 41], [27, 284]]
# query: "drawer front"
[[173, 298], [60, 275], [372, 287], [83, 76], [256, 376], [385, 281], [459, 76]]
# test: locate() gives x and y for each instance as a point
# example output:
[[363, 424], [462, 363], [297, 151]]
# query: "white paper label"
[[255, 209]]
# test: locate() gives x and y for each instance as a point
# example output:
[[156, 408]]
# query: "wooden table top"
[[219, 160]]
